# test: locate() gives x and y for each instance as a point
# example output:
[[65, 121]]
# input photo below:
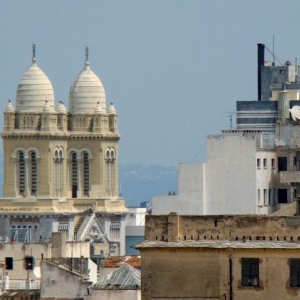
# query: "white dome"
[[86, 91], [33, 90]]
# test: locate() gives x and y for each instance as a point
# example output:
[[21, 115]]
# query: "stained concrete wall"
[[18, 251], [205, 274], [58, 283], [230, 181], [175, 228]]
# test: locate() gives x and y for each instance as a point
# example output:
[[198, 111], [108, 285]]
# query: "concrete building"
[[253, 168], [220, 257], [134, 228], [61, 166]]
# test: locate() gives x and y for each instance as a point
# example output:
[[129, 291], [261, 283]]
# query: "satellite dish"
[[37, 272]]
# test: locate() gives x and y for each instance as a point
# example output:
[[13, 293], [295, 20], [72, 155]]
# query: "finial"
[[33, 52], [9, 101], [86, 54]]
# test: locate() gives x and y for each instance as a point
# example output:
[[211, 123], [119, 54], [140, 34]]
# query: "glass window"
[[295, 272], [250, 271]]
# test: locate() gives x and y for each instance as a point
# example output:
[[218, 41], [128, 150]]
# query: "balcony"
[[20, 284], [289, 176]]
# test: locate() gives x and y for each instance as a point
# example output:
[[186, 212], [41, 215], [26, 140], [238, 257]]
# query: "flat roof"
[[220, 244]]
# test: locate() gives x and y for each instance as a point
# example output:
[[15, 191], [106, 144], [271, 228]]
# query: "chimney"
[[260, 63]]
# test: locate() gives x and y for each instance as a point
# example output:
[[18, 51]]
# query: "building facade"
[[253, 168], [220, 257], [61, 166]]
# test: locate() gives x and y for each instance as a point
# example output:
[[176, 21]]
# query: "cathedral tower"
[[61, 167]]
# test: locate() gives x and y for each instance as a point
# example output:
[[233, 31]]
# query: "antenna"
[[230, 116], [273, 64]]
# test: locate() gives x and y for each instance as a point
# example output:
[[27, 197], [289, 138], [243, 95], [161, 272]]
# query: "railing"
[[20, 284]]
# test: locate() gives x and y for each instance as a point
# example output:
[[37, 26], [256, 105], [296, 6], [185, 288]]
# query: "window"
[[250, 271], [295, 164], [21, 173], [258, 163], [258, 196], [265, 163], [273, 163], [33, 173], [86, 174], [295, 272], [110, 172], [265, 197], [282, 196], [282, 164], [74, 175]]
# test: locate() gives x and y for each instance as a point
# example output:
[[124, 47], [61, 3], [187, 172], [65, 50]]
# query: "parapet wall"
[[174, 227]]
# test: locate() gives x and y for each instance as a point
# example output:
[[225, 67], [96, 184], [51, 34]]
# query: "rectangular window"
[[273, 163], [258, 196], [265, 197], [250, 271], [282, 164], [282, 196], [295, 272], [270, 197], [258, 163], [295, 164], [265, 163]]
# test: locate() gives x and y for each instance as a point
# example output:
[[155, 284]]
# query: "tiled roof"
[[220, 244], [21, 293], [125, 277], [117, 261]]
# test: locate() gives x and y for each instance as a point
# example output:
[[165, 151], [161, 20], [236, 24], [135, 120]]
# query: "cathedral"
[[61, 165]]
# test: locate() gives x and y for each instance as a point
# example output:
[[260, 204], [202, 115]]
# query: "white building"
[[253, 169]]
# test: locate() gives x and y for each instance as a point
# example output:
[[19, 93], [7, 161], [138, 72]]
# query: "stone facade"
[[207, 257], [61, 166]]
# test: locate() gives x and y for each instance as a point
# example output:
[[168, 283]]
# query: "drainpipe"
[[230, 279]]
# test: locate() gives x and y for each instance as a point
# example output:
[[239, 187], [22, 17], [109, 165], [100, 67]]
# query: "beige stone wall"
[[205, 274], [254, 227]]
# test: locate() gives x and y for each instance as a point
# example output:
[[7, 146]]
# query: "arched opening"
[[74, 174]]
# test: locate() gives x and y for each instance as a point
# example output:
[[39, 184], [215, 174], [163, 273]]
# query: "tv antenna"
[[230, 115]]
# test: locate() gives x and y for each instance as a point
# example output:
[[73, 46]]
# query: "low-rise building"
[[221, 257]]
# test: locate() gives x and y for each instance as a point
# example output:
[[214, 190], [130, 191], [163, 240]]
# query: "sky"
[[173, 69]]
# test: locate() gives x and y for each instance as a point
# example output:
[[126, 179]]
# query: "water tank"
[[283, 105]]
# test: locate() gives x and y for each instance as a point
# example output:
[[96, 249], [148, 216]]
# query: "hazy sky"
[[173, 69]]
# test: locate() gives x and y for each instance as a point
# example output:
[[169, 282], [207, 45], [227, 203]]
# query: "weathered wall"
[[61, 284], [179, 274], [254, 227], [18, 251], [205, 274], [230, 181], [116, 294]]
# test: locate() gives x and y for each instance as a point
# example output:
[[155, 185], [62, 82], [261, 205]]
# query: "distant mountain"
[[138, 183]]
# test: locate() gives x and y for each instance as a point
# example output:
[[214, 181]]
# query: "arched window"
[[22, 173], [74, 174], [58, 172], [86, 174], [110, 172], [33, 173]]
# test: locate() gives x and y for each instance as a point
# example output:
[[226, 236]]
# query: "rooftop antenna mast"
[[273, 51], [230, 116]]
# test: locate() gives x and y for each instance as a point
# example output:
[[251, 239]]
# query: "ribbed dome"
[[86, 91], [33, 90]]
